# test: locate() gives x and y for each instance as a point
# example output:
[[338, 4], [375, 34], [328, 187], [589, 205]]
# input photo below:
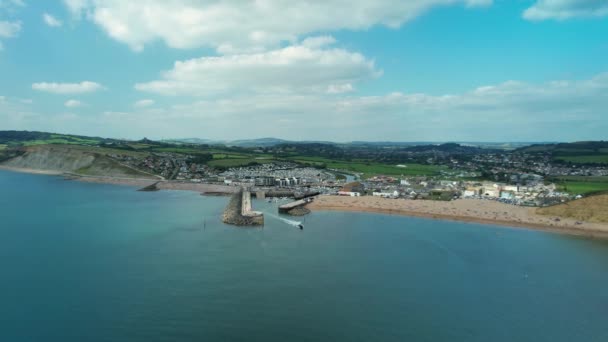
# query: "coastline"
[[469, 210], [202, 188], [463, 210]]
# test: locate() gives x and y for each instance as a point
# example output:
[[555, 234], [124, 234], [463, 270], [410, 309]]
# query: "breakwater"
[[295, 208], [239, 211]]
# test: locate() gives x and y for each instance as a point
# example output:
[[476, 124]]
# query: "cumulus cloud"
[[143, 103], [566, 9], [509, 111], [9, 29], [73, 104], [308, 67], [51, 20], [235, 25], [68, 88]]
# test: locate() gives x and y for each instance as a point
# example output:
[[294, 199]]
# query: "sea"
[[96, 262]]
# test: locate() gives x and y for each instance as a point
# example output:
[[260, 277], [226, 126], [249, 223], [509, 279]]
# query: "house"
[[349, 193], [386, 194]]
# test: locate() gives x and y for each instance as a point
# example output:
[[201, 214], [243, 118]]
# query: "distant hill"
[[574, 147], [11, 137], [262, 142], [582, 152], [451, 148]]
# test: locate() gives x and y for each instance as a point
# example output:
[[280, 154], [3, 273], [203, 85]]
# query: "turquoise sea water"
[[92, 262]]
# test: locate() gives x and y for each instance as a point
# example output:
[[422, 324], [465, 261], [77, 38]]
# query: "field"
[[62, 140], [580, 185], [236, 162], [371, 169]]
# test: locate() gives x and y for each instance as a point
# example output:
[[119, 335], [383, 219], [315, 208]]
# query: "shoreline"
[[520, 217], [201, 188], [469, 210]]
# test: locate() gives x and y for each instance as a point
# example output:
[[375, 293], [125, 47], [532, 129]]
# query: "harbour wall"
[[239, 212]]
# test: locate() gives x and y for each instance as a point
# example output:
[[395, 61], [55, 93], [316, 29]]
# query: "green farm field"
[[580, 185]]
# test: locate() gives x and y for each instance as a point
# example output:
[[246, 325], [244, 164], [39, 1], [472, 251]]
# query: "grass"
[[372, 169], [229, 156], [581, 185], [590, 209], [582, 188], [58, 139], [585, 159], [237, 162]]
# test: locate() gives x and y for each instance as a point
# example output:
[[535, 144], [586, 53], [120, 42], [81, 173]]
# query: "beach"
[[134, 182], [466, 210]]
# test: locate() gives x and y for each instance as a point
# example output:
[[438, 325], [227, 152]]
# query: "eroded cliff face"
[[60, 159]]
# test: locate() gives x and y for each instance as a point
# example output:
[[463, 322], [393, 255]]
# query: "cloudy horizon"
[[386, 70]]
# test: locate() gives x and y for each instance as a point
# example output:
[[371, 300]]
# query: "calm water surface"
[[91, 262]]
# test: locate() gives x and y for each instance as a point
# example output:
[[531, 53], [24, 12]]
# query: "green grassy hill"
[[583, 152]]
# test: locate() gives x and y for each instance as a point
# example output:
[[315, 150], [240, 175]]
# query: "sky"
[[338, 70]]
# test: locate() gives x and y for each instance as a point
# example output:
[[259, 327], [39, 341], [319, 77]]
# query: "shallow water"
[[94, 262]]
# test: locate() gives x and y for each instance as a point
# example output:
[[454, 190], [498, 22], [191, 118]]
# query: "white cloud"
[[340, 88], [308, 67], [9, 29], [51, 21], [68, 88], [509, 111], [235, 26], [73, 104], [566, 9], [143, 103], [11, 5]]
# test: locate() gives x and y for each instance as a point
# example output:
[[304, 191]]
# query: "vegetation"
[[227, 163], [590, 209], [365, 159], [581, 185], [585, 159], [582, 153]]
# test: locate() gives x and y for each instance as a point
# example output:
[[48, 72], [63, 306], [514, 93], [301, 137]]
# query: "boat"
[[301, 226]]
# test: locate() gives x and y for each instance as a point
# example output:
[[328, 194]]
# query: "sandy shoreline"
[[465, 210], [134, 182]]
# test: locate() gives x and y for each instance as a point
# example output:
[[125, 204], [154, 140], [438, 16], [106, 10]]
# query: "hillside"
[[590, 209], [582, 152], [63, 158]]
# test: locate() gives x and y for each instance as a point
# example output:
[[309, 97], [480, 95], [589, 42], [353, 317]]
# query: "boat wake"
[[289, 222]]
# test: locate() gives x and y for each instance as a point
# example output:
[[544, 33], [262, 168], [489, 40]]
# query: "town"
[[519, 179]]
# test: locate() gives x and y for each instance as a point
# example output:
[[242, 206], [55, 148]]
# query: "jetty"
[[295, 208], [239, 212]]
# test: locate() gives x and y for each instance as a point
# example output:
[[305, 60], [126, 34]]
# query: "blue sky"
[[434, 70]]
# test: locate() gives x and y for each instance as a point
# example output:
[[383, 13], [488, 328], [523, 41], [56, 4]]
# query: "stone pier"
[[239, 212]]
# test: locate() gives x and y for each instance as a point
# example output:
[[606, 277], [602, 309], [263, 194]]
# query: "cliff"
[[67, 159]]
